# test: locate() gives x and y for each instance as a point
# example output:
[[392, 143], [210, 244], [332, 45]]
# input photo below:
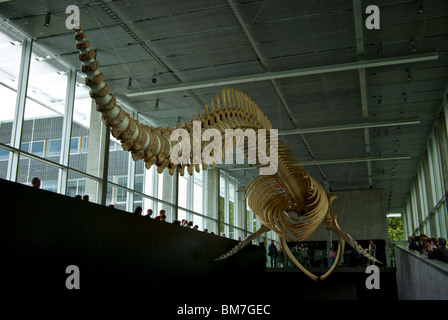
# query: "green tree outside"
[[395, 228], [395, 233]]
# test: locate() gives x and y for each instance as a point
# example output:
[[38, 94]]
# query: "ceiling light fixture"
[[130, 83], [47, 19], [409, 77], [157, 105], [380, 100], [380, 49], [413, 46], [154, 79], [420, 8], [405, 99]]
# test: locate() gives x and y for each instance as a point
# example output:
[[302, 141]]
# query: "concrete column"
[[148, 188], [131, 178], [97, 157], [175, 215], [241, 219], [168, 194], [212, 200]]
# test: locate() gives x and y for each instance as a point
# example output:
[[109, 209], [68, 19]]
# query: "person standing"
[[413, 245], [296, 254], [273, 253], [138, 210], [332, 255], [305, 256], [161, 213], [35, 182]]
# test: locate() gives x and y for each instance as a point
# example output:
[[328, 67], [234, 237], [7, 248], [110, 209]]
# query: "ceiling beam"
[[331, 161], [361, 64], [359, 31], [365, 125], [354, 160]]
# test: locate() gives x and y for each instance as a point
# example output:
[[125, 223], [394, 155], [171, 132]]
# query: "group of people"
[[301, 253], [318, 257], [84, 197], [432, 247], [162, 217]]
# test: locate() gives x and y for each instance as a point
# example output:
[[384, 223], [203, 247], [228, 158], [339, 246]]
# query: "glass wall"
[[44, 106], [30, 168], [79, 134], [192, 200], [49, 128], [10, 52], [236, 221], [4, 163], [426, 208]]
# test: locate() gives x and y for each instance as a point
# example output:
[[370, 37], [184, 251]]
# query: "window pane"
[[45, 102], [181, 215], [197, 192], [199, 221], [139, 175], [183, 186], [250, 219], [76, 186], [116, 196], [148, 188], [166, 187], [37, 148], [84, 144], [198, 178], [79, 145], [443, 220], [74, 145], [138, 201], [10, 52], [80, 185], [4, 161], [30, 168], [422, 191], [148, 204], [25, 146], [118, 165], [222, 201], [211, 225], [231, 202], [4, 154], [239, 234], [53, 148]]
